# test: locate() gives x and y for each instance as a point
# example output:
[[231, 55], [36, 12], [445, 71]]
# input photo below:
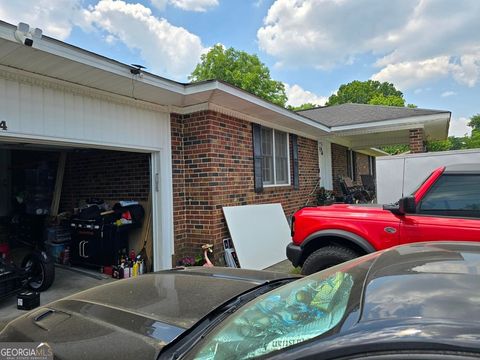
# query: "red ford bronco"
[[446, 206]]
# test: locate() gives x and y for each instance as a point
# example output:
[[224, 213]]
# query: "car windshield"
[[296, 312]]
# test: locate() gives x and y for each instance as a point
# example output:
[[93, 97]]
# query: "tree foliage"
[[305, 106], [459, 143], [474, 122], [362, 92], [390, 100], [240, 69], [395, 149]]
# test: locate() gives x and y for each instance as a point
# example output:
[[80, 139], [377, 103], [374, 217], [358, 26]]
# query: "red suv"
[[446, 206]]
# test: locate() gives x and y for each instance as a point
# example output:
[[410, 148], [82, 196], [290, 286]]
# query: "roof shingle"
[[351, 114]]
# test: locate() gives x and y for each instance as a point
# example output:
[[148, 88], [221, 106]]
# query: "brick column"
[[417, 141]]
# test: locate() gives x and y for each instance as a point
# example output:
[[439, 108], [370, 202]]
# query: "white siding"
[[50, 114], [44, 113]]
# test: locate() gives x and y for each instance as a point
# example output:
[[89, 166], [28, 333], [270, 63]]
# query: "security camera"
[[25, 36]]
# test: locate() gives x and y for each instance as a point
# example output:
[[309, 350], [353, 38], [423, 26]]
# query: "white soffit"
[[260, 234]]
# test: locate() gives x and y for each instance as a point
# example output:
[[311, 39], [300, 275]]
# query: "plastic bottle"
[[135, 269]]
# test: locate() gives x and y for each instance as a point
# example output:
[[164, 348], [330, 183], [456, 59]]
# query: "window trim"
[[289, 183]]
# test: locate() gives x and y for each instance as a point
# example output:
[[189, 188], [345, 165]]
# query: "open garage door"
[[104, 210]]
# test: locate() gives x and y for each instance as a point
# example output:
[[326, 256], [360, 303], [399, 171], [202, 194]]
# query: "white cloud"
[[298, 96], [188, 5], [459, 127], [324, 33], [159, 4], [464, 69], [55, 17], [166, 49], [448, 93], [424, 40], [410, 73]]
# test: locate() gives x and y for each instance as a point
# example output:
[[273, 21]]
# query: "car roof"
[[463, 168], [435, 281]]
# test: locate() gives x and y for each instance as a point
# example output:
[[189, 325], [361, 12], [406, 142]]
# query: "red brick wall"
[[178, 179], [217, 171], [109, 175], [417, 141]]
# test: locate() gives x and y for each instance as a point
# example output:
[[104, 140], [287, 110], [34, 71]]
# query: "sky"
[[429, 49]]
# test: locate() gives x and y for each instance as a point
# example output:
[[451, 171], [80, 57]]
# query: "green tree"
[[305, 106], [240, 69], [362, 92], [395, 149], [459, 143], [474, 122], [389, 100]]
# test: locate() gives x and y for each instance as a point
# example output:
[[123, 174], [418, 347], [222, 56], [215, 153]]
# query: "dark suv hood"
[[134, 317]]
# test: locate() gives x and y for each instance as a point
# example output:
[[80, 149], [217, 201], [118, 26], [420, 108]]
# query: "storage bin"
[[56, 251]]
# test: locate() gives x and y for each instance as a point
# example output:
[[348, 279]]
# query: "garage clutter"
[[95, 235], [100, 236]]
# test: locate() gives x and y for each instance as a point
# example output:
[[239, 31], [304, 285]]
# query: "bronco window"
[[294, 313], [453, 195]]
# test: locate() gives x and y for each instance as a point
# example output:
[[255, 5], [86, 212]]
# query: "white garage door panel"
[[56, 114]]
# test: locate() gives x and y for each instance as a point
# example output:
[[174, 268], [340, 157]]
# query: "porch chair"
[[368, 182], [353, 194]]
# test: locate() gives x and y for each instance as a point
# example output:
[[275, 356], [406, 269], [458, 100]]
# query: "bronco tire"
[[326, 257], [40, 269]]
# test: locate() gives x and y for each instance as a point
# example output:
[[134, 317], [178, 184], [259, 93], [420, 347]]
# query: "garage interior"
[[90, 209]]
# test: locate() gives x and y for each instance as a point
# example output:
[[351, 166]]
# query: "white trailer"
[[400, 175]]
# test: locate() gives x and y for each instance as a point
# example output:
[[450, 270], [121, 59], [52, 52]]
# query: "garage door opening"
[[88, 208]]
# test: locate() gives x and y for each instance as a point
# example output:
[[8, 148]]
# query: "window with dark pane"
[[267, 154], [281, 157], [453, 195]]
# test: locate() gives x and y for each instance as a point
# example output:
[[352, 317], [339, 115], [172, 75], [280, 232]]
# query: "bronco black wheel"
[[326, 257], [40, 270]]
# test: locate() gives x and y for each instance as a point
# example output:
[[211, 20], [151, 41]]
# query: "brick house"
[[184, 150]]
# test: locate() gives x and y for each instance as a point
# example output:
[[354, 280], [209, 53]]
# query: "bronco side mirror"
[[405, 205]]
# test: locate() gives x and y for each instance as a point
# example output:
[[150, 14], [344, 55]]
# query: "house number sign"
[[3, 125]]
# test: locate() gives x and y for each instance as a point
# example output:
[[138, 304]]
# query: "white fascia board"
[[78, 55], [268, 105], [73, 53], [394, 124]]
